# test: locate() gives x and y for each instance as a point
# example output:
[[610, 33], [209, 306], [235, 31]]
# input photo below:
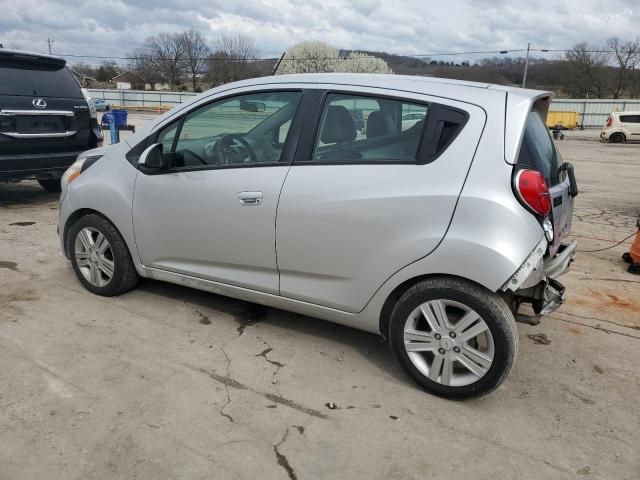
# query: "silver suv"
[[430, 233]]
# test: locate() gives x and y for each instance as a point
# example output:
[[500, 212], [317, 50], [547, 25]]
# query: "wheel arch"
[[77, 215], [399, 290], [619, 133]]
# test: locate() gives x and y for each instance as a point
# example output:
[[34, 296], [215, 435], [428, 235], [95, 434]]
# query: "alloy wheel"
[[94, 256], [449, 343]]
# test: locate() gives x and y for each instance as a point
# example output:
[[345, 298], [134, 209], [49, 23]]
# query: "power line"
[[381, 55]]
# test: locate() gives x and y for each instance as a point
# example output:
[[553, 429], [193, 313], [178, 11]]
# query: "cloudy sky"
[[115, 27]]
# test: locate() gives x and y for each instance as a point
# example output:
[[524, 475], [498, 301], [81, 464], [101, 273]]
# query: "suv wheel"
[[100, 257], [51, 185], [617, 138], [454, 338]]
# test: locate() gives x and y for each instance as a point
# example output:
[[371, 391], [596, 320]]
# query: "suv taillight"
[[609, 121], [533, 191]]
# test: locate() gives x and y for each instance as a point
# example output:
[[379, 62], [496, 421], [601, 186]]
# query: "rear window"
[[538, 152], [34, 80]]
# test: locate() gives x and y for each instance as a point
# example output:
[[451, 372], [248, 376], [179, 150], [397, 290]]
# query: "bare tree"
[[626, 55], [167, 54], [84, 69], [590, 62], [233, 59], [634, 84], [196, 52], [106, 71], [142, 64]]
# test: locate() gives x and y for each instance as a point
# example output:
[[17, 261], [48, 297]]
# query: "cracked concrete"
[[283, 461], [167, 382]]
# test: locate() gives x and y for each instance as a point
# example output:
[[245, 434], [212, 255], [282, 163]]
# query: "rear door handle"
[[250, 198]]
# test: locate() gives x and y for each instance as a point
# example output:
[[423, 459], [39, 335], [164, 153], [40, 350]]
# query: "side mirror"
[[152, 157]]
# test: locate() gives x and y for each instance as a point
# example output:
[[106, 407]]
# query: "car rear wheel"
[[454, 338], [51, 185], [617, 138], [100, 257]]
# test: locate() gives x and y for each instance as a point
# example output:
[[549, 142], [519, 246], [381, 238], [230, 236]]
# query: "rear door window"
[[630, 118], [356, 128], [35, 80], [538, 151]]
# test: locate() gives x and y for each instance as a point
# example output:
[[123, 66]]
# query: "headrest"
[[339, 126]]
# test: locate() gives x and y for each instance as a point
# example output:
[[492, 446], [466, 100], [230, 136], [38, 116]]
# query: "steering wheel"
[[233, 148], [186, 151]]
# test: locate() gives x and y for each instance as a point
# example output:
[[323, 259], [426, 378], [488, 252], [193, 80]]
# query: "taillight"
[[533, 191], [609, 122]]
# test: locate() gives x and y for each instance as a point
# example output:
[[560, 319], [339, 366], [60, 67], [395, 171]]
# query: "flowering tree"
[[357, 62], [309, 57], [318, 57]]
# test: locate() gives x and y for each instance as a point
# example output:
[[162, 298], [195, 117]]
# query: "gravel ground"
[[167, 382]]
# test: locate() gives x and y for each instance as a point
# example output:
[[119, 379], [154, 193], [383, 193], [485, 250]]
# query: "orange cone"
[[633, 255], [635, 249]]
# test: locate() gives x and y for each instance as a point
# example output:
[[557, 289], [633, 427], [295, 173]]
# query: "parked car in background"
[[410, 119], [621, 127], [101, 104], [430, 234], [46, 120]]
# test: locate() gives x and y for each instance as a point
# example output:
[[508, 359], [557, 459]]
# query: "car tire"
[[51, 185], [449, 359], [104, 270], [617, 138]]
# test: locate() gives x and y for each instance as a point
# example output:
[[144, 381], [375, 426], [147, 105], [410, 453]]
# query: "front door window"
[[236, 131]]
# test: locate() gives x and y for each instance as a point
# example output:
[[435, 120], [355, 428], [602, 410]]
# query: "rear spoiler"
[[517, 108], [20, 57]]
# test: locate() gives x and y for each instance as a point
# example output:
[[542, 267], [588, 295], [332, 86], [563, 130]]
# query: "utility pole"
[[526, 66], [49, 41]]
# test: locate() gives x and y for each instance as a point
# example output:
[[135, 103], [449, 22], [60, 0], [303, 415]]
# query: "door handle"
[[250, 198]]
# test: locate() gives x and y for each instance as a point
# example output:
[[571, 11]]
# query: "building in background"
[[128, 81]]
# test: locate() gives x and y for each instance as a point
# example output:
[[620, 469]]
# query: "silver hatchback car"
[[430, 233]]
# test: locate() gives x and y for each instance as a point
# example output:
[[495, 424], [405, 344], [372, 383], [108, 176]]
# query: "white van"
[[621, 126]]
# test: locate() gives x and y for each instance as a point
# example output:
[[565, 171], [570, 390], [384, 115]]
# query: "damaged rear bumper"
[[558, 265], [536, 282], [553, 295]]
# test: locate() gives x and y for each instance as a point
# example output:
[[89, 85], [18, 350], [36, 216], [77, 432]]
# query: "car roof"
[[627, 112], [391, 81], [23, 56]]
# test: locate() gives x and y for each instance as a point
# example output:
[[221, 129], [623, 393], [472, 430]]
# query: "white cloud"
[[105, 27]]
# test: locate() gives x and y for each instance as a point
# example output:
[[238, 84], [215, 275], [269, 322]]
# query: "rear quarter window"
[[34, 80], [538, 151]]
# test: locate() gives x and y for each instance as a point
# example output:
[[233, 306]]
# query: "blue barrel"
[[120, 116]]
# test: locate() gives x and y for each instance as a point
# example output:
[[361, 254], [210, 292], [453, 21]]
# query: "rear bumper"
[[536, 281], [553, 296], [38, 166], [558, 265]]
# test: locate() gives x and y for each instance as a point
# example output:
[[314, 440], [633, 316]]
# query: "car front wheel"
[[454, 338], [100, 256]]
